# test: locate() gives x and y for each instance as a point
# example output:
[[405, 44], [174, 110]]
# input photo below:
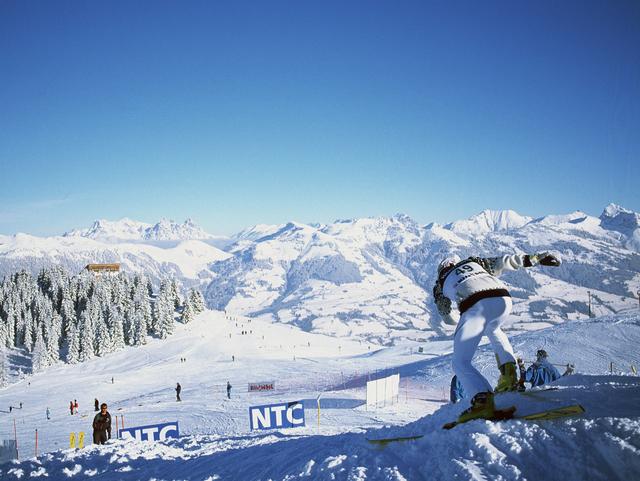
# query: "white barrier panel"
[[8, 451], [383, 391]]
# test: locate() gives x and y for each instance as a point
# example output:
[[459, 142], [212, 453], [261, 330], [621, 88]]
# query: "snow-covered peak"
[[613, 210], [168, 230], [627, 222], [102, 229], [130, 230], [618, 218], [489, 221]]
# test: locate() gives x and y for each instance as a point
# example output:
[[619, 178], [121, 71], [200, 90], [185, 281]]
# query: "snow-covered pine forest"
[[55, 316]]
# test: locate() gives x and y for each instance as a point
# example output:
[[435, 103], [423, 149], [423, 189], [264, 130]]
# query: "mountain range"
[[370, 277]]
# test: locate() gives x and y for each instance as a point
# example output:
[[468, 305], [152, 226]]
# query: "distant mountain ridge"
[[129, 230], [368, 277]]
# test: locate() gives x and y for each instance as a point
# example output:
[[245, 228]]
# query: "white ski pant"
[[484, 318]]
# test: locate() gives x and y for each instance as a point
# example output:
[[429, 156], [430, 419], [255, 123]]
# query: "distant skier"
[[48, 413], [178, 389], [102, 425], [75, 406], [71, 407], [96, 405], [541, 372], [484, 303], [456, 391], [228, 390]]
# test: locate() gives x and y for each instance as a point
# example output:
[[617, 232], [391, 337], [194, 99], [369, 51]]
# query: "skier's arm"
[[497, 265], [528, 376], [443, 303], [109, 426]]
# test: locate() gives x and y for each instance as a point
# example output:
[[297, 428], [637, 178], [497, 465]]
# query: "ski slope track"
[[216, 443]]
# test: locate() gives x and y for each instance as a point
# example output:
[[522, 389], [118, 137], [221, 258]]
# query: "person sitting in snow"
[[456, 391], [541, 372], [483, 302]]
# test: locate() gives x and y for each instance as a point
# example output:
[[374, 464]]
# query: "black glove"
[[550, 260], [544, 259]]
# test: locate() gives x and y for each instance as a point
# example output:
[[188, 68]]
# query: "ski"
[[499, 415], [573, 410], [384, 441]]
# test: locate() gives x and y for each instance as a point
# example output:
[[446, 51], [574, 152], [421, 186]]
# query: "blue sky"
[[236, 113]]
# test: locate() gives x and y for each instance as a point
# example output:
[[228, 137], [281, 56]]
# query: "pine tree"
[[139, 329], [197, 301], [116, 330], [102, 341], [188, 312], [87, 336], [175, 294], [163, 308], [73, 353], [40, 358], [4, 375]]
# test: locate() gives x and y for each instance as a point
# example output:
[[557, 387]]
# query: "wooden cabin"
[[99, 268]]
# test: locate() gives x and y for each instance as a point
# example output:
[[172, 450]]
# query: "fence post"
[[36, 443]]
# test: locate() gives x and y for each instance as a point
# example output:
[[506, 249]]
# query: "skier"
[[102, 425], [96, 405], [483, 302], [71, 407], [75, 406], [541, 371], [228, 390], [456, 392], [48, 413], [178, 389]]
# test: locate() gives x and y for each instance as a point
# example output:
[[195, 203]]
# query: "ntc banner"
[[262, 386], [153, 432], [273, 416]]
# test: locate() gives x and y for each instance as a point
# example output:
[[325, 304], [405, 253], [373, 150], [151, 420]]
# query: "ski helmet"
[[448, 262]]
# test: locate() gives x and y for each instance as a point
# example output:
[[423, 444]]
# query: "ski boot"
[[508, 380], [482, 407]]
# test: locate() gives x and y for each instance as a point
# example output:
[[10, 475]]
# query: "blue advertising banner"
[[274, 416], [153, 432]]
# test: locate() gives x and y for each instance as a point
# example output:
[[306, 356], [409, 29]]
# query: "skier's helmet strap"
[[448, 262]]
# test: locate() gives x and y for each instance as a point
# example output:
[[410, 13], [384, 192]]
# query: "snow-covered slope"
[[216, 443]]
